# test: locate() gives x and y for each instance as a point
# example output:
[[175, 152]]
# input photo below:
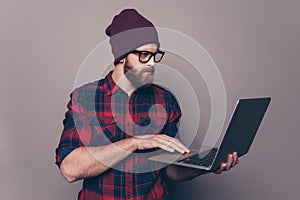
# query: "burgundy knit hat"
[[128, 31]]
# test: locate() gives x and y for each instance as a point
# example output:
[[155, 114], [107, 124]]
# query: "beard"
[[139, 76]]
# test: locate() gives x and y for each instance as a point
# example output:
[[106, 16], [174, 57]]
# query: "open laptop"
[[240, 133]]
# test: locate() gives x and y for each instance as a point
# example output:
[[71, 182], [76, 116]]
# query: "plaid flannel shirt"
[[89, 121]]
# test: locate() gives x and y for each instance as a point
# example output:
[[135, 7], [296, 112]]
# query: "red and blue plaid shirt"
[[91, 121]]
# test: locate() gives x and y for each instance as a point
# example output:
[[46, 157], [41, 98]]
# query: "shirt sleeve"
[[76, 132]]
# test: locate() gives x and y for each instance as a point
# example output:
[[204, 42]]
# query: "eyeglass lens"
[[145, 56]]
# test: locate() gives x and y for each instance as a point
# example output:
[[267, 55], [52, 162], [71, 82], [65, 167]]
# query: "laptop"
[[244, 123]]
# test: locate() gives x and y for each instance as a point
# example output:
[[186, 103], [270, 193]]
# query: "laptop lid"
[[239, 135], [242, 128]]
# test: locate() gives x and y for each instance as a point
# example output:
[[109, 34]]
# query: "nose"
[[151, 62]]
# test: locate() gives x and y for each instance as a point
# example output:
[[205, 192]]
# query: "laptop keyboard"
[[205, 161]]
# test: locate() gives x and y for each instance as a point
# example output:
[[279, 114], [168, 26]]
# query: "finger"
[[179, 144], [222, 168], [235, 159], [154, 144], [176, 142], [165, 147], [170, 144], [229, 161]]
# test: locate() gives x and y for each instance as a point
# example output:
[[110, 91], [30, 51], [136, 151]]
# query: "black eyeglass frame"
[[152, 55]]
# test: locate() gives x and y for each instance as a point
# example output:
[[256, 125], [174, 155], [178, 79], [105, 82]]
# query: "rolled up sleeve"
[[75, 130]]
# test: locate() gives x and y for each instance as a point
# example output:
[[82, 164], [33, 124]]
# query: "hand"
[[231, 162], [161, 141]]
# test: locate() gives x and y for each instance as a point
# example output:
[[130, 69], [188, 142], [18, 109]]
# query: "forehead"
[[150, 46]]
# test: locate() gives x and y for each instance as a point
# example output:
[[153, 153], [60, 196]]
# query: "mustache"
[[150, 69]]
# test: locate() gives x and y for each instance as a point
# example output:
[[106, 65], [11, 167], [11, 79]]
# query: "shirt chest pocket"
[[104, 130]]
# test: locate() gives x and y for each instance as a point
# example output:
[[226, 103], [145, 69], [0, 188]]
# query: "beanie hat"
[[128, 31]]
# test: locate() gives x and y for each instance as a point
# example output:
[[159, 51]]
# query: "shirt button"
[[101, 123], [128, 196], [128, 123]]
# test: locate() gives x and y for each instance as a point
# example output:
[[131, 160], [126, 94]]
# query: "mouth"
[[150, 71]]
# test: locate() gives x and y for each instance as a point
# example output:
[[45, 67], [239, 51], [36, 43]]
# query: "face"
[[139, 73]]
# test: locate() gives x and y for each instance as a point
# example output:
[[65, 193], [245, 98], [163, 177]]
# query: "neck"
[[121, 80]]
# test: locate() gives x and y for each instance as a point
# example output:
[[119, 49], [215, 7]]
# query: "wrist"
[[133, 143]]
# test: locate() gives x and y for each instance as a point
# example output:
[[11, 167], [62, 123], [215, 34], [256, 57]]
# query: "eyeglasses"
[[145, 56]]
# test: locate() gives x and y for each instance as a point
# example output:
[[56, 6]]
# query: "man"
[[108, 125]]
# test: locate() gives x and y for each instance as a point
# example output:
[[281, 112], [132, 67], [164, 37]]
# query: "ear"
[[122, 60]]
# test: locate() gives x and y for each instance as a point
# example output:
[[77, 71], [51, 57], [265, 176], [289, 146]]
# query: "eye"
[[145, 54]]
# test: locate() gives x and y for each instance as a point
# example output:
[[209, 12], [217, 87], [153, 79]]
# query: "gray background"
[[254, 43]]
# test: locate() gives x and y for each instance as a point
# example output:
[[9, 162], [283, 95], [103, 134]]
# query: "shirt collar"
[[111, 86]]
